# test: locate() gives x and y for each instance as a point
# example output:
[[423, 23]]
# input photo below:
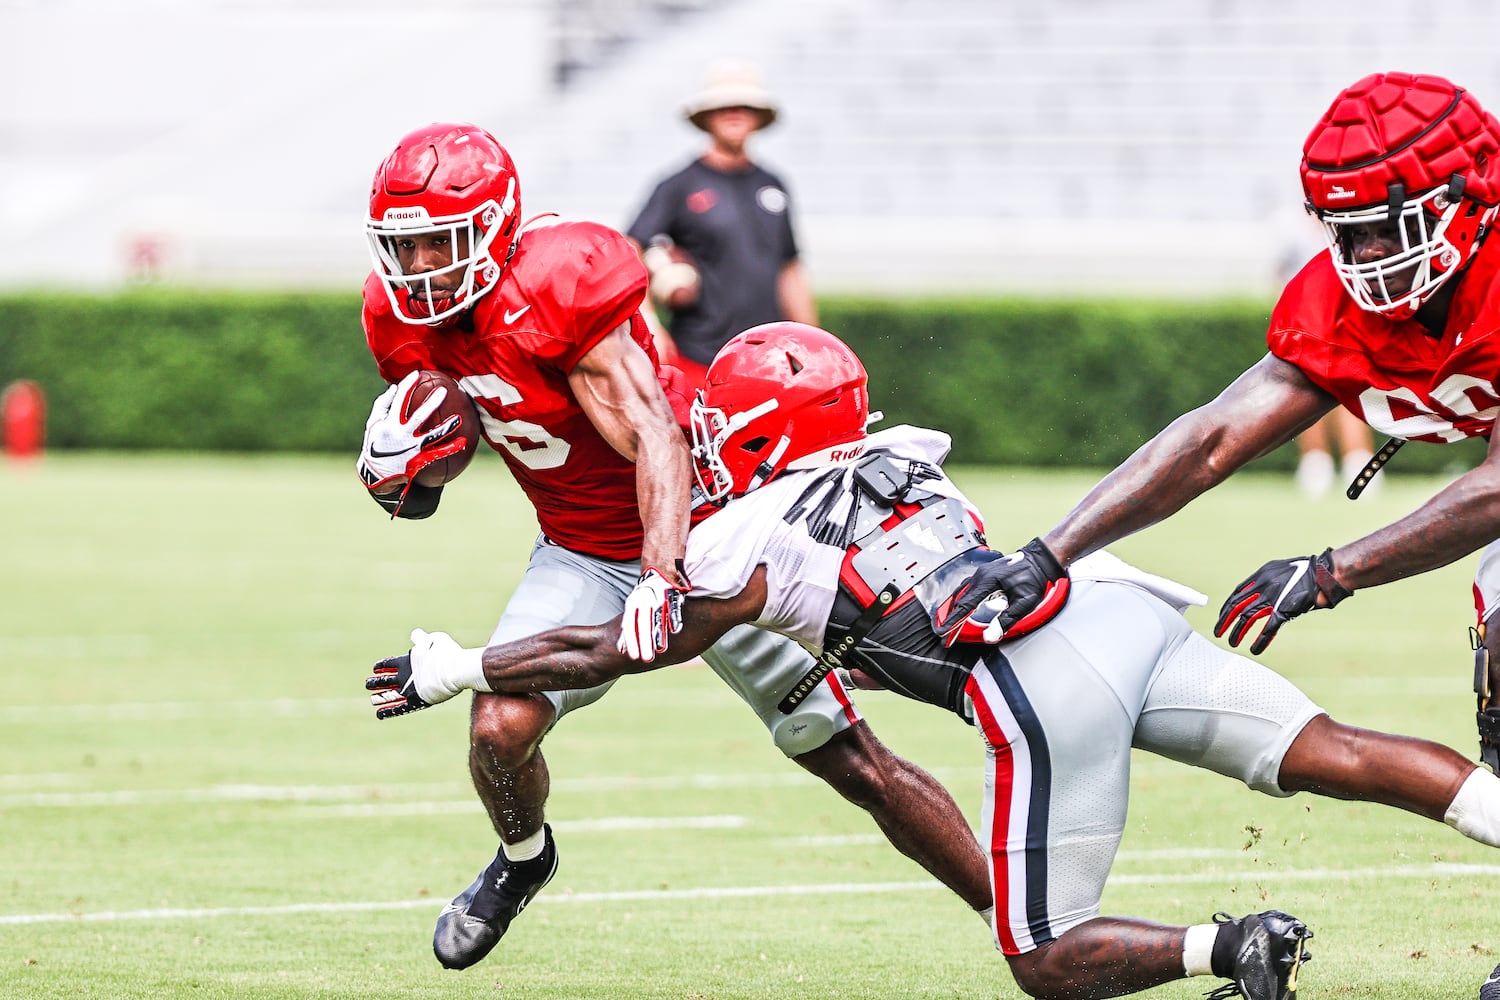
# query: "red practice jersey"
[[1396, 375], [567, 286]]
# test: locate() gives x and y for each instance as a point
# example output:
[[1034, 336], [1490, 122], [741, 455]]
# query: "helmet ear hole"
[[755, 444]]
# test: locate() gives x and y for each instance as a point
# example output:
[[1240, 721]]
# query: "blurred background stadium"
[[194, 799], [934, 146]]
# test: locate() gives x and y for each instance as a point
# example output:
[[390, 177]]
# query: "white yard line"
[[376, 796], [878, 839], [1437, 870], [40, 780], [184, 711]]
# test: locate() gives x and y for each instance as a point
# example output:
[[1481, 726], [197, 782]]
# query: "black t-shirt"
[[738, 229]]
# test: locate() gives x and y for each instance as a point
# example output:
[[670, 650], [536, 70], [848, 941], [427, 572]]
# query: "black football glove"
[[395, 692], [436, 669], [1279, 591], [1005, 598]]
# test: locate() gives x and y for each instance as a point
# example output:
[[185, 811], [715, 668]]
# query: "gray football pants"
[[1060, 710]]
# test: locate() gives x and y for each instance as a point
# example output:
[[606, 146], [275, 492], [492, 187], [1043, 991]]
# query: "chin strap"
[[1375, 464]]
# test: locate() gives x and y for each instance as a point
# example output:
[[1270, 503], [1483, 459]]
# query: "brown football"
[[456, 403]]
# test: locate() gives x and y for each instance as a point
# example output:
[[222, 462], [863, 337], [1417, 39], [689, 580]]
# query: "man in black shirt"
[[732, 220]]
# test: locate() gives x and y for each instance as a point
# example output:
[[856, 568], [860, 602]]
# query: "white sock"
[[1475, 810], [525, 850], [1198, 949], [1315, 473]]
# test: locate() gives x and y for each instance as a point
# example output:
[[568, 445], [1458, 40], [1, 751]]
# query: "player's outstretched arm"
[[437, 668]]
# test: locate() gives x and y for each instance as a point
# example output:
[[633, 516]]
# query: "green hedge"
[[193, 370], [1047, 383], [1024, 382], [1076, 383]]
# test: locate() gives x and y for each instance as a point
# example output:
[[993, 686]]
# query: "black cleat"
[[469, 927], [1267, 956], [1490, 990]]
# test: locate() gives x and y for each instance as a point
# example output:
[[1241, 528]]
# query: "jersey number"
[[528, 443], [1456, 394]]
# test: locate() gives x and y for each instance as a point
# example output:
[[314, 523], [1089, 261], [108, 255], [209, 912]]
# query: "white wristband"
[[443, 668], [468, 670]]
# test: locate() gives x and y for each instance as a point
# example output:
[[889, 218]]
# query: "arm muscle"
[[616, 386], [583, 656]]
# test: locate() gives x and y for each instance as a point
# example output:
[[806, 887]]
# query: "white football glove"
[[436, 669], [396, 448], [653, 614]]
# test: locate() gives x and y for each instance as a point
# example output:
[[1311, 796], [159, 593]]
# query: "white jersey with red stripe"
[[802, 574], [1059, 709]]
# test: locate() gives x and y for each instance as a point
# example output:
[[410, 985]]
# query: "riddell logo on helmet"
[[405, 215], [844, 454], [1337, 192]]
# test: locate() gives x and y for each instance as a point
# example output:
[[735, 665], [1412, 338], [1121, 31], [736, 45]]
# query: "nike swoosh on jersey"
[[511, 317]]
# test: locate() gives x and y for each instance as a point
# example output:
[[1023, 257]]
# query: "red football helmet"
[[451, 180], [778, 396], [1414, 152]]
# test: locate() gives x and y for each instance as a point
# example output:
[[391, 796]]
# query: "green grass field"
[[195, 800]]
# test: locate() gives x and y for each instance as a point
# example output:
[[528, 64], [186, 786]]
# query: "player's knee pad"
[[802, 731], [761, 667]]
